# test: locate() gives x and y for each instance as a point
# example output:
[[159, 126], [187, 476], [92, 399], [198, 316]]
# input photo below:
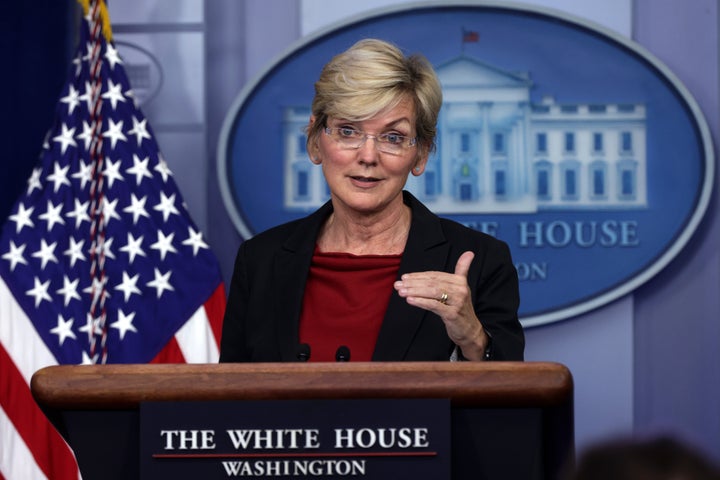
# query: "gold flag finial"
[[104, 16]]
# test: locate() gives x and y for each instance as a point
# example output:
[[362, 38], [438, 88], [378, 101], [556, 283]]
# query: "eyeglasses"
[[390, 143]]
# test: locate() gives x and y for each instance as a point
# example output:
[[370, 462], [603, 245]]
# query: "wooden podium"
[[509, 420]]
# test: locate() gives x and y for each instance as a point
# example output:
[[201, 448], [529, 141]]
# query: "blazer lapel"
[[291, 267], [427, 249]]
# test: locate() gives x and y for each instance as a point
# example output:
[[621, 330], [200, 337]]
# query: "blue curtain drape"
[[36, 45]]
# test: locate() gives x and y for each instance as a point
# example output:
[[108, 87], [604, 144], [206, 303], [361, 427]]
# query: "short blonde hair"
[[374, 75]]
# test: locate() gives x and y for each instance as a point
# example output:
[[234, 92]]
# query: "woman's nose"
[[368, 149]]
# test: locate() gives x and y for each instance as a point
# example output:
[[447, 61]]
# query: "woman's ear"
[[313, 149], [420, 163]]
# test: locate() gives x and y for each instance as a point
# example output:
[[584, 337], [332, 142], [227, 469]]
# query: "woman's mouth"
[[366, 180]]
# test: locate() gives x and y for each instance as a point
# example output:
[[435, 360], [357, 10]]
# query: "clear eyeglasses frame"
[[350, 139]]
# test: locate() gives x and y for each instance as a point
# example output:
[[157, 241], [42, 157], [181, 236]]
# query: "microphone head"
[[302, 352], [342, 354]]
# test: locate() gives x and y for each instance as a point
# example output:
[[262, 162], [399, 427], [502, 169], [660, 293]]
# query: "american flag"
[[99, 259], [470, 36]]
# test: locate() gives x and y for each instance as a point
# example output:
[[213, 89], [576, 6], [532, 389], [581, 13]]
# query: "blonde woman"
[[373, 274]]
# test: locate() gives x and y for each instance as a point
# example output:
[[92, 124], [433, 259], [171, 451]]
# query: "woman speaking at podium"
[[372, 274]]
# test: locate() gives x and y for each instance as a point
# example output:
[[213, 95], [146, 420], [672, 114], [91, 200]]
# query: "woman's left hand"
[[448, 296]]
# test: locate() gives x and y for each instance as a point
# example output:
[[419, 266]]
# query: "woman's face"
[[366, 180]]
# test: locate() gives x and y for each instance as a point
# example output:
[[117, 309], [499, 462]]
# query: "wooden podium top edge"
[[485, 384]]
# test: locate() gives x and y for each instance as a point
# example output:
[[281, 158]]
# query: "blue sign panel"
[[572, 144]]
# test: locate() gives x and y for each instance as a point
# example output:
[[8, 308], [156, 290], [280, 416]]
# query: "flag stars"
[[69, 290], [97, 289], [77, 61], [139, 130], [195, 241], [128, 285], [85, 174], [22, 218], [65, 139], [102, 248], [131, 95], [133, 247], [88, 360], [79, 213], [114, 132], [163, 169], [164, 244], [161, 282], [88, 45], [109, 210], [74, 251], [46, 253], [63, 329], [166, 206], [124, 323], [15, 255], [112, 56], [140, 169], [112, 171], [59, 176], [52, 215], [86, 135], [88, 96], [136, 208], [92, 326], [72, 99], [114, 94], [40, 292], [46, 140], [34, 180]]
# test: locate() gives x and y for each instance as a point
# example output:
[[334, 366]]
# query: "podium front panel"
[[508, 419]]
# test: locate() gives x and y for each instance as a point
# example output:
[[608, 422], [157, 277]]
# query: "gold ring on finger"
[[443, 298]]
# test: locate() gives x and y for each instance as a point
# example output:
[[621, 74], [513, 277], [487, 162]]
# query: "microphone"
[[302, 352], [342, 354]]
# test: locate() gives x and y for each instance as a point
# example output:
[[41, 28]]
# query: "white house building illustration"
[[500, 153]]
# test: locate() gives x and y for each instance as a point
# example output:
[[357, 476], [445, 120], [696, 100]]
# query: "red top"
[[346, 297]]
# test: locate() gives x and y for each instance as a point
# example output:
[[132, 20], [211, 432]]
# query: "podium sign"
[[374, 439]]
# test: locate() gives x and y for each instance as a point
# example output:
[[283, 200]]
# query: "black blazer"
[[266, 292]]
